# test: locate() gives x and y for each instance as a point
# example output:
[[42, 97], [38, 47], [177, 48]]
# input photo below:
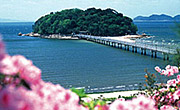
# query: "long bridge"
[[143, 47]]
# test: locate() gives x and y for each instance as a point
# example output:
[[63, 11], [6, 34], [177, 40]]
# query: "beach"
[[115, 94], [127, 38]]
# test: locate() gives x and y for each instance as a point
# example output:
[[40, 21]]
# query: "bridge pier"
[[109, 43], [113, 44], [124, 46], [132, 48], [120, 46], [152, 53], [141, 51], [155, 56], [140, 48], [165, 56], [135, 49], [144, 51], [127, 47]]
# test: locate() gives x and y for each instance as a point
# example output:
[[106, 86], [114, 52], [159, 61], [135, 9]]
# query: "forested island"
[[94, 21]]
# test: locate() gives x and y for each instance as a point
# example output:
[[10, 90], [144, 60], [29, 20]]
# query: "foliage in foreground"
[[165, 95], [99, 22], [21, 88]]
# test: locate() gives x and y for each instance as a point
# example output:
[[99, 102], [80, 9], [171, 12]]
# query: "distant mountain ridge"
[[156, 17]]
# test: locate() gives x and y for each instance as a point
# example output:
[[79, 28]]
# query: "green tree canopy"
[[99, 22]]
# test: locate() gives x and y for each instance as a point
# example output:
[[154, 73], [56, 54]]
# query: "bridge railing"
[[161, 47]]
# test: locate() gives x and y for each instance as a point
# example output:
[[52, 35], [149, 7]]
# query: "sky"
[[31, 10]]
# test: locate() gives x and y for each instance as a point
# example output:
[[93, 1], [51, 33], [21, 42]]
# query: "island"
[[91, 21]]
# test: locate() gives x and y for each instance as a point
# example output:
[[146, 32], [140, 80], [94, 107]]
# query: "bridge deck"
[[142, 45]]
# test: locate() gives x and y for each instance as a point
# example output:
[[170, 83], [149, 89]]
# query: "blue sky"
[[31, 10]]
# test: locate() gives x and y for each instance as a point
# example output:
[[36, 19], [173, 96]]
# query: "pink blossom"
[[175, 69], [121, 99], [143, 102], [7, 67], [157, 69], [139, 103], [176, 95], [178, 77], [168, 67], [8, 80], [18, 99], [31, 74], [170, 72], [164, 72], [57, 97], [167, 107], [120, 105], [45, 96], [171, 82], [21, 62]]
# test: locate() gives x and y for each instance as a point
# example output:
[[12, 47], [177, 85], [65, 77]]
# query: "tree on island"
[[98, 22]]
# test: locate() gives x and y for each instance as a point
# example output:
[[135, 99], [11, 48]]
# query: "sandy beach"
[[126, 38], [114, 94]]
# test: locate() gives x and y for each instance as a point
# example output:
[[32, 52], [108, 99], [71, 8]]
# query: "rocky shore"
[[32, 34], [52, 36]]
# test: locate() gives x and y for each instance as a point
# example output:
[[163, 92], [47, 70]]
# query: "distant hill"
[[8, 20], [155, 17]]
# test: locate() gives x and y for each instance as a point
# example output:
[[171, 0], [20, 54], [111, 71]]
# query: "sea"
[[85, 64]]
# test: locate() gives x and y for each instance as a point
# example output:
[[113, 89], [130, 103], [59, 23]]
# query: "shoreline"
[[113, 94], [125, 38]]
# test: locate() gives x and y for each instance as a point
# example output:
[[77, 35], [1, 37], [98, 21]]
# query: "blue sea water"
[[84, 64]]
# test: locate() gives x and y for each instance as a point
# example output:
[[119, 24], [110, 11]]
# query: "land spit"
[[51, 36]]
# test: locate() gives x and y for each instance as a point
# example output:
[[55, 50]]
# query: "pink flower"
[[21, 62], [31, 74], [144, 103], [168, 67], [18, 99], [157, 69], [178, 77], [120, 105], [171, 82], [164, 72], [45, 96], [121, 99], [167, 107], [7, 67], [139, 103], [176, 95], [170, 72], [175, 69], [55, 96]]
